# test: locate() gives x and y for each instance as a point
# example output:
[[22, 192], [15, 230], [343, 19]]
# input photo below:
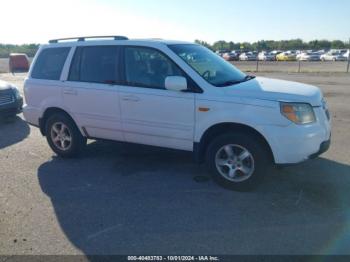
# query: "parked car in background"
[[308, 56], [11, 101], [18, 63], [231, 56], [286, 56], [347, 54], [343, 51], [321, 52], [266, 56], [334, 55], [237, 52], [275, 52], [219, 52], [248, 56], [222, 52]]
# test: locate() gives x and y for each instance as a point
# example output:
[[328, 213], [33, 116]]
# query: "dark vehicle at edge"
[[11, 101]]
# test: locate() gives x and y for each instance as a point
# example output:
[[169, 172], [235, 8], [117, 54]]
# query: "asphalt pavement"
[[132, 199]]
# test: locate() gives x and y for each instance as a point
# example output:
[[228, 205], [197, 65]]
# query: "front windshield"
[[210, 66]]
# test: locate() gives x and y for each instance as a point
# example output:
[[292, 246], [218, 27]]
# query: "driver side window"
[[146, 67]]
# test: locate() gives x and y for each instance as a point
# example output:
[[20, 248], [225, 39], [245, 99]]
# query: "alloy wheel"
[[235, 163], [61, 136]]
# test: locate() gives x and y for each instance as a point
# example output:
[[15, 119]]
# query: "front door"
[[151, 114]]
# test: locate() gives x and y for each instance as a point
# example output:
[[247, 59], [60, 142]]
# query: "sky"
[[37, 21]]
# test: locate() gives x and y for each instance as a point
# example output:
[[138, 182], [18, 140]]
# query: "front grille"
[[6, 99]]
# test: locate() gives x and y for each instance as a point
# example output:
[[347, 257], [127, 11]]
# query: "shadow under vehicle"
[[134, 199]]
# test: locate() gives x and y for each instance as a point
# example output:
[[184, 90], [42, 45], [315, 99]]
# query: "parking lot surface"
[[131, 199]]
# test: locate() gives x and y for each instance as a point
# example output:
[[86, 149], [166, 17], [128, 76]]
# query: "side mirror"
[[176, 83]]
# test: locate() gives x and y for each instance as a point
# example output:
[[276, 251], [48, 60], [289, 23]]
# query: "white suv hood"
[[277, 90]]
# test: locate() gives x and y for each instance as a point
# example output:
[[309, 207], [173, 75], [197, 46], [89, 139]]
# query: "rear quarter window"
[[49, 63]]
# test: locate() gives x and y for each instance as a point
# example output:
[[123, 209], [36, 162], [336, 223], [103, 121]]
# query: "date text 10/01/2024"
[[173, 258]]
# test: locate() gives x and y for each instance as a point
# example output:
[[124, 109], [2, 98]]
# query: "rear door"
[[90, 93]]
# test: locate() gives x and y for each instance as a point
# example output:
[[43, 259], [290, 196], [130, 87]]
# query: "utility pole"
[[347, 69], [257, 61]]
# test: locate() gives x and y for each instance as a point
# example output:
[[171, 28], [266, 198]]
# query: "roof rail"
[[83, 38]]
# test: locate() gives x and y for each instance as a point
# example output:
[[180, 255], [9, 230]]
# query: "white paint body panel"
[[96, 108], [157, 117], [171, 119]]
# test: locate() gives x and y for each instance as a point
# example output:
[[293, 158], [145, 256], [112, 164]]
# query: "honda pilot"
[[177, 95]]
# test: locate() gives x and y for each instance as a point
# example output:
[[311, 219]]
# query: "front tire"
[[63, 136], [237, 161]]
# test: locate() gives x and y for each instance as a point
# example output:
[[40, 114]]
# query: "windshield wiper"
[[236, 82]]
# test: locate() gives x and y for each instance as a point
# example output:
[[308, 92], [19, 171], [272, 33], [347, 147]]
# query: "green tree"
[[221, 45], [203, 43], [337, 44], [29, 49], [268, 45]]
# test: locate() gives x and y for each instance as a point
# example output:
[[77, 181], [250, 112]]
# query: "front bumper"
[[297, 143], [12, 108], [323, 149]]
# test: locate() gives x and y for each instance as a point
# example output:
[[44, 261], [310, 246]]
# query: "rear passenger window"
[[49, 63], [96, 64]]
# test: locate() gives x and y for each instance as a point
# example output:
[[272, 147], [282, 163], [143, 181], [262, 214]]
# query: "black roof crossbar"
[[83, 38]]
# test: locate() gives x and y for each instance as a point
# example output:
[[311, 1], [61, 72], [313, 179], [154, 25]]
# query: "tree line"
[[29, 49], [268, 45]]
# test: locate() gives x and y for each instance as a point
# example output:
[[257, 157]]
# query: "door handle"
[[131, 98], [70, 91]]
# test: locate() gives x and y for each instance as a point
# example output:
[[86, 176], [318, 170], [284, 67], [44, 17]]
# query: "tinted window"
[[97, 64], [50, 62], [147, 67]]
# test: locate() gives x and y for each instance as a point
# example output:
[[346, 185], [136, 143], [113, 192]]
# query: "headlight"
[[298, 113]]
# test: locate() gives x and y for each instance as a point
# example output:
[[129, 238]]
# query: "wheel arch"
[[224, 128], [49, 112]]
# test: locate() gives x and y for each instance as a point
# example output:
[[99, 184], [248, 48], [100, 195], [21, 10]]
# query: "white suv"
[[174, 95]]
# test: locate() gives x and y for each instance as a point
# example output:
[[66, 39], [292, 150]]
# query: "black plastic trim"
[[323, 148]]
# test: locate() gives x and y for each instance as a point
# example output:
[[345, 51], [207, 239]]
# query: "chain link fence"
[[293, 66], [264, 66]]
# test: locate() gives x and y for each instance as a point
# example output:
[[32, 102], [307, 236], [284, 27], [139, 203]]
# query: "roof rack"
[[83, 38]]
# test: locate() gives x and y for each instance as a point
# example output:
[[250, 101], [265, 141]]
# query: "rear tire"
[[63, 136], [237, 161]]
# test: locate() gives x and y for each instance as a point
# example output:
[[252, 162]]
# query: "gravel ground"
[[131, 199]]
